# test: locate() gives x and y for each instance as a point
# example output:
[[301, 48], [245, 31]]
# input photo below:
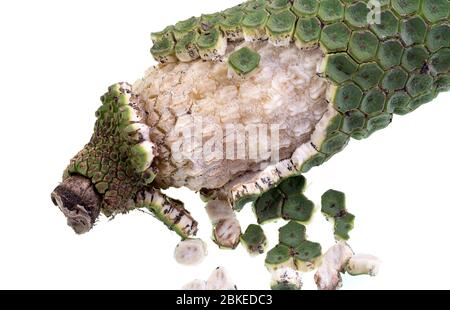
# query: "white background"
[[58, 57]]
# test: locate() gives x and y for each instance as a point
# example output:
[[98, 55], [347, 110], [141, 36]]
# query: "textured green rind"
[[385, 68], [375, 70], [411, 32], [118, 157]]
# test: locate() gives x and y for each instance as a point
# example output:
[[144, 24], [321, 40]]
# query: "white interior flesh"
[[285, 90], [190, 252]]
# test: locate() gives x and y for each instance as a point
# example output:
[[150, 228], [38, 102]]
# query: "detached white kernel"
[[220, 281], [285, 278], [196, 285], [328, 275], [190, 252], [338, 256], [328, 279], [363, 264], [227, 233]]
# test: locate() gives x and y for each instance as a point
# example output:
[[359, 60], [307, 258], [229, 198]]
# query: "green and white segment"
[[317, 66], [118, 162], [285, 201], [335, 210], [293, 250]]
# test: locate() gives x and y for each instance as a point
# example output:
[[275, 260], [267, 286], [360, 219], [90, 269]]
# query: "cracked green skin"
[[375, 71], [117, 162], [111, 160]]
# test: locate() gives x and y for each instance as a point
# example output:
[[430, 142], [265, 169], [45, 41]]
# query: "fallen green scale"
[[334, 208], [343, 225], [308, 251], [294, 250], [278, 257], [244, 61], [254, 240], [292, 234], [293, 186], [333, 203], [268, 207], [298, 208], [286, 200]]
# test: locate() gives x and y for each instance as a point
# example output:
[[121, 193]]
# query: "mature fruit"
[[320, 69]]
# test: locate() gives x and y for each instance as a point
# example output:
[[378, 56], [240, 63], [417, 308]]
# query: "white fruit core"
[[285, 94]]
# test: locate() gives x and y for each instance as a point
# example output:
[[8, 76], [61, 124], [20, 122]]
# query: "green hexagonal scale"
[[339, 67], [373, 102], [335, 37], [348, 97], [363, 45], [413, 31], [331, 11], [405, 7], [307, 32], [305, 7], [368, 75], [356, 14], [390, 54], [244, 61]]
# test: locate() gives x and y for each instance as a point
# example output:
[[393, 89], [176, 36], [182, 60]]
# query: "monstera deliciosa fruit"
[[325, 71]]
